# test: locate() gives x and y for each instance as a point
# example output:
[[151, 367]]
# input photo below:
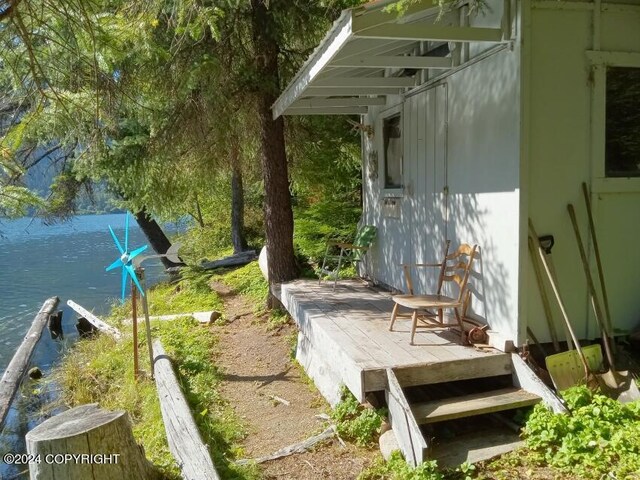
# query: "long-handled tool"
[[596, 251], [573, 367], [615, 384], [543, 293]]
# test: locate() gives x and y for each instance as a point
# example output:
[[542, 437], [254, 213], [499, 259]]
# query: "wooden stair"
[[474, 404], [453, 420]]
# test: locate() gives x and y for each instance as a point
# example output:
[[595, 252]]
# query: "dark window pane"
[[623, 122], [392, 152]]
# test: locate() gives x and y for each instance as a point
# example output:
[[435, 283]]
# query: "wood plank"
[[339, 102], [488, 366], [327, 111], [185, 442], [474, 404], [476, 447], [95, 321], [410, 438], [376, 82], [393, 61], [18, 365], [526, 379], [350, 91], [420, 31]]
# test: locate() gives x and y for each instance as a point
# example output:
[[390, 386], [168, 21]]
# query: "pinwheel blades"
[[125, 260]]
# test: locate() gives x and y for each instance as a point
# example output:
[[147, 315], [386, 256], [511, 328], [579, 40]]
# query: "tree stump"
[[86, 443]]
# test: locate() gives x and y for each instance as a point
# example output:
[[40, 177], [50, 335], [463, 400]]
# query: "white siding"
[[561, 158], [481, 149]]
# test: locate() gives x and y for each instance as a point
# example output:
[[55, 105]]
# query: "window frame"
[[600, 61], [397, 111]]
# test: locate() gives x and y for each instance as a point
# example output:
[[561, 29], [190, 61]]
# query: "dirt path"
[[258, 367]]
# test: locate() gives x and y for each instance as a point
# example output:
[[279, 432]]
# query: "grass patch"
[[101, 370], [247, 281]]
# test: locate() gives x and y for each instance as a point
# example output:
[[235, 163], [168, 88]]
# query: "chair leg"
[[335, 282], [463, 335], [440, 316], [414, 325], [324, 263], [394, 314]]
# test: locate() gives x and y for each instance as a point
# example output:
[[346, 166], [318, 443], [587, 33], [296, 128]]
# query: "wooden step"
[[476, 404], [475, 447]]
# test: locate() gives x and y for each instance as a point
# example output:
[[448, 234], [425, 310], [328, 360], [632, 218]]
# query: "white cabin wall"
[[390, 248], [562, 157], [483, 178], [480, 140]]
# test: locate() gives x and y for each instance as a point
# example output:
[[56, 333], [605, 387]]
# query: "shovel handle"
[[596, 251], [563, 310]]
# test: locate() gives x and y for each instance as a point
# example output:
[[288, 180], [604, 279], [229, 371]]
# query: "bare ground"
[[258, 367]]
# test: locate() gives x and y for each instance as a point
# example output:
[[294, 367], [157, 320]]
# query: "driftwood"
[[183, 437], [87, 443], [17, 368], [295, 448], [202, 317], [95, 321], [236, 260]]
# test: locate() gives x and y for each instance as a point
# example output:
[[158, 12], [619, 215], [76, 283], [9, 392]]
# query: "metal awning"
[[370, 53]]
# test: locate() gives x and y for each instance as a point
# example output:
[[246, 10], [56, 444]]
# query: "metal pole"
[[134, 318], [145, 309]]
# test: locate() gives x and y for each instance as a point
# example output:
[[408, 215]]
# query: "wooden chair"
[[455, 267], [351, 252]]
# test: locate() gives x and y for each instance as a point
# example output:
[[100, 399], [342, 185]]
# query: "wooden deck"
[[345, 339]]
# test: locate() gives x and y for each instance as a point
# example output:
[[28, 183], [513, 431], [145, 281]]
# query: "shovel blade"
[[619, 385], [566, 368]]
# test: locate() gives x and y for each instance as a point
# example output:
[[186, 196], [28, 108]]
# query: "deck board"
[[353, 320]]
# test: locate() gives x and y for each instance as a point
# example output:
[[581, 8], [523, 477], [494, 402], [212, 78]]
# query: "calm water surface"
[[67, 261]]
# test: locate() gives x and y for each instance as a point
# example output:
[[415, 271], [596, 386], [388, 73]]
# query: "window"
[[622, 142], [393, 152]]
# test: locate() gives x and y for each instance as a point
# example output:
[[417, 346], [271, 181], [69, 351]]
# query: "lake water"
[[65, 260]]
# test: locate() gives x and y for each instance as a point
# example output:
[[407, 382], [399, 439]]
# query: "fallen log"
[[95, 321], [87, 443], [19, 364], [236, 260], [183, 437], [202, 317], [295, 448]]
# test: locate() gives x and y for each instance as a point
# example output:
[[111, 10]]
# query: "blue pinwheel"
[[126, 258]]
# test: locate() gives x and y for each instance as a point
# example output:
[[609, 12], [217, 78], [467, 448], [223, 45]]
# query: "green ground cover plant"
[[600, 439], [355, 422]]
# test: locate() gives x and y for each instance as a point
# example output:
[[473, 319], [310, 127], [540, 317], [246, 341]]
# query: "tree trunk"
[[87, 443], [278, 213], [156, 237], [237, 203]]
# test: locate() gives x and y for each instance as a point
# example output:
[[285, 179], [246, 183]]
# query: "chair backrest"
[[364, 238], [456, 267]]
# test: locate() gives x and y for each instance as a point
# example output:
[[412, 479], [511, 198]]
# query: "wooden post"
[[87, 443], [17, 368], [183, 437], [145, 309], [134, 316]]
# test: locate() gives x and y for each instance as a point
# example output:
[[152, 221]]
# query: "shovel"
[[619, 385], [567, 368]]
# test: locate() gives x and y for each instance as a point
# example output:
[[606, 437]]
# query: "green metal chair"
[[349, 252]]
